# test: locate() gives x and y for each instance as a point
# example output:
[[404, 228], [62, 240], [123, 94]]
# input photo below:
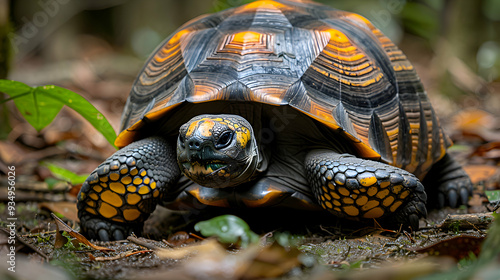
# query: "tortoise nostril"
[[194, 144]]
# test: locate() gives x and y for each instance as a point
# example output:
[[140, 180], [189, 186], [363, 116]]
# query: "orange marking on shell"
[[205, 93], [172, 43], [263, 4], [246, 37], [246, 42], [337, 36], [272, 194], [268, 95], [360, 19], [356, 57], [196, 193]]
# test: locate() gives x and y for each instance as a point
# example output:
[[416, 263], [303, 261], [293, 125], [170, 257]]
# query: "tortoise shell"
[[331, 65]]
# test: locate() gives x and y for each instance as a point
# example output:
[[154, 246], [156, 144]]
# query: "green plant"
[[40, 105]]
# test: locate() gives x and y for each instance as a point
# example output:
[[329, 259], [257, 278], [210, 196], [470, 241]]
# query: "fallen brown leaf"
[[457, 247], [483, 149], [74, 190], [479, 173], [62, 226], [210, 246], [117, 257], [472, 119], [210, 260], [272, 261]]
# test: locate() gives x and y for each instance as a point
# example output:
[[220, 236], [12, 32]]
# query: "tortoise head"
[[217, 150]]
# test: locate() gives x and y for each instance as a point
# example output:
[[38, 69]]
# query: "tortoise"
[[275, 104]]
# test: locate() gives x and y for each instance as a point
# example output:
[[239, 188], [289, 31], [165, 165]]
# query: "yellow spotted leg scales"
[[365, 189], [120, 194]]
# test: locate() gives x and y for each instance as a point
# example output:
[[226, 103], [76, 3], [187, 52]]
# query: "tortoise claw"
[[103, 235], [452, 198], [464, 195], [105, 230], [411, 213], [413, 221]]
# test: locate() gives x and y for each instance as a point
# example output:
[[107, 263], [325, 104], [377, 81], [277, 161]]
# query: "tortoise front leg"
[[120, 194], [356, 188]]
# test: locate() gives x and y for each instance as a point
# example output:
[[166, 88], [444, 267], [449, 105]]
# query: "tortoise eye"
[[224, 140]]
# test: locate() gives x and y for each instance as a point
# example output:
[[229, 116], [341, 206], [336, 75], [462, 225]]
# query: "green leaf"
[[228, 229], [39, 111], [493, 196], [83, 107], [65, 174], [40, 105]]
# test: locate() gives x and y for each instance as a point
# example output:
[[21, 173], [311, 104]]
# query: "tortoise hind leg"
[[357, 188], [449, 180], [120, 194]]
